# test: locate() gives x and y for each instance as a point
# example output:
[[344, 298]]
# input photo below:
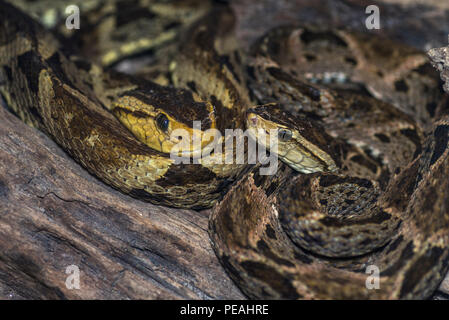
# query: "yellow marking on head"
[[146, 123]]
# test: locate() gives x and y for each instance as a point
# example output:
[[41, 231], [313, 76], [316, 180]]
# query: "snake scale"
[[361, 123]]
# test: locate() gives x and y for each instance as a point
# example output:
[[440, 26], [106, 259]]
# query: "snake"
[[360, 122]]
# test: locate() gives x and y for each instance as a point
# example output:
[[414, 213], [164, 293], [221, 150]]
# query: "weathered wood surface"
[[54, 214]]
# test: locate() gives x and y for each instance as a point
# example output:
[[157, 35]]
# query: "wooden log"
[[54, 214]]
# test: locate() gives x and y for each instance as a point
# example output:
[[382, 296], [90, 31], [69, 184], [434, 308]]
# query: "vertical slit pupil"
[[285, 135], [162, 121]]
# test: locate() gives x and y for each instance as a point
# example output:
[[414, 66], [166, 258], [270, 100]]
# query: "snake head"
[[301, 143], [169, 121]]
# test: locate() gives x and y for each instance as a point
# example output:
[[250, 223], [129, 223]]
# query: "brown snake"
[[365, 129]]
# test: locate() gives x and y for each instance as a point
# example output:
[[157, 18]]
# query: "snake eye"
[[162, 121], [284, 134]]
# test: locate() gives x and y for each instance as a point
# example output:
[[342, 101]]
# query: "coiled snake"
[[360, 122]]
